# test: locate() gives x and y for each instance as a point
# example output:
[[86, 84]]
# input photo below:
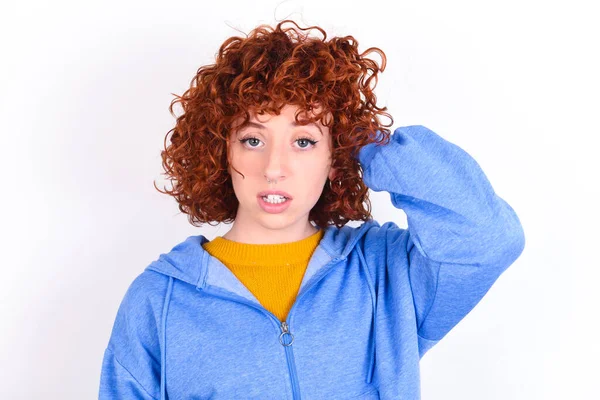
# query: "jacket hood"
[[189, 262]]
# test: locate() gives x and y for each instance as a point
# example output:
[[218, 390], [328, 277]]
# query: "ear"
[[332, 172]]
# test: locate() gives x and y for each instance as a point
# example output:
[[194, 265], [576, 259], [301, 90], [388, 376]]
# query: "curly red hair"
[[261, 73]]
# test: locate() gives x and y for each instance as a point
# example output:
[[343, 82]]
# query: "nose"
[[275, 164]]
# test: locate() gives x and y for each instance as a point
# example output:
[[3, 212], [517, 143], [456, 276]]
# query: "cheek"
[[244, 163], [314, 176]]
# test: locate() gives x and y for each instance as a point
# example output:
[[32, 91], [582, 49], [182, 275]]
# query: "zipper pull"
[[284, 330]]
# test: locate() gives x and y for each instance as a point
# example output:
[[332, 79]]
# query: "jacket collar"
[[189, 262]]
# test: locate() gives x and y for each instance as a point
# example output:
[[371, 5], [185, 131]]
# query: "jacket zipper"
[[284, 326], [289, 355], [290, 358]]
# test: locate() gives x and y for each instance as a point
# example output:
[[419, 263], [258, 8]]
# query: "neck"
[[261, 235]]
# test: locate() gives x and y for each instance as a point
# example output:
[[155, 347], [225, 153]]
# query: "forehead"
[[287, 113]]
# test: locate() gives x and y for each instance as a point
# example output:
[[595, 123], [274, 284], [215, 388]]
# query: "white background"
[[85, 88]]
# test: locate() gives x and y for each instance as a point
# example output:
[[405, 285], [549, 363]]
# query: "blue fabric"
[[373, 301]]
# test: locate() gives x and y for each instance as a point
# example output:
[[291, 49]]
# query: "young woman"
[[281, 136]]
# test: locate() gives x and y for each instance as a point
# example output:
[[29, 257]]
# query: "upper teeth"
[[274, 198]]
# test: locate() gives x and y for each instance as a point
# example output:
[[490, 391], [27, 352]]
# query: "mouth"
[[275, 193], [274, 205]]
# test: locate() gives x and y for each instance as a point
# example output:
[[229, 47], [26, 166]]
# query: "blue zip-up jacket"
[[373, 300]]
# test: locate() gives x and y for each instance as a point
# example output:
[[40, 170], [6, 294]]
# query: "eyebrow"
[[293, 123]]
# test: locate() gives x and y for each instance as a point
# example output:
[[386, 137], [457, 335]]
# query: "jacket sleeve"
[[131, 366], [461, 235]]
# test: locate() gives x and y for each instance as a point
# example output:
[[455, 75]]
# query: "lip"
[[273, 208], [278, 192]]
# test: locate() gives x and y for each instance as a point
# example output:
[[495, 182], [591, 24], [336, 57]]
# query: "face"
[[295, 158]]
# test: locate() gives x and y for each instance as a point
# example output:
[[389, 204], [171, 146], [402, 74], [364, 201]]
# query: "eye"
[[305, 139], [252, 139]]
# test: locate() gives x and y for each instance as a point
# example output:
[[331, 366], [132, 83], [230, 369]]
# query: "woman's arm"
[[461, 236], [131, 368]]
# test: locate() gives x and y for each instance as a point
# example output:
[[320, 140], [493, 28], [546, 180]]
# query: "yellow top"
[[271, 272]]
